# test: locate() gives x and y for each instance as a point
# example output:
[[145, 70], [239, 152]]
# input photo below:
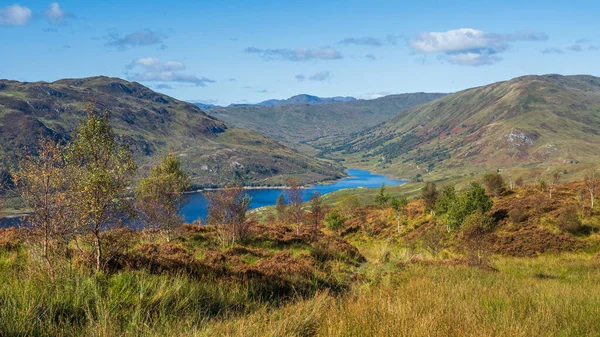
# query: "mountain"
[[545, 121], [204, 106], [152, 124], [304, 99], [293, 124]]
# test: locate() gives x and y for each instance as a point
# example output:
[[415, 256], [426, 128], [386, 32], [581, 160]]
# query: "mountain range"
[[151, 124], [294, 100], [300, 123]]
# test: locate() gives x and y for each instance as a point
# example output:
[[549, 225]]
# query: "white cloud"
[[15, 15], [55, 14], [467, 46], [150, 69], [300, 77], [296, 55]]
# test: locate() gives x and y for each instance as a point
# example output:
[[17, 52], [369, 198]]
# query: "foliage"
[[382, 199], [317, 211], [494, 183], [430, 195], [350, 206], [455, 209], [227, 209], [568, 220], [334, 220], [281, 207], [105, 169], [294, 195], [45, 181], [398, 205], [160, 196]]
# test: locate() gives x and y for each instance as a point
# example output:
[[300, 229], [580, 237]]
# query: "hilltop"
[[303, 122], [151, 124], [531, 121]]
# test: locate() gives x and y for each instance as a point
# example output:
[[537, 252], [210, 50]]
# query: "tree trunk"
[[592, 200], [98, 250]]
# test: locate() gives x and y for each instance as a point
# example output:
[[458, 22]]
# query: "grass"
[[442, 300], [556, 295]]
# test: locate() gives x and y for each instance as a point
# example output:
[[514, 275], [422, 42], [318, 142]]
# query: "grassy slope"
[[151, 124], [532, 121], [293, 124]]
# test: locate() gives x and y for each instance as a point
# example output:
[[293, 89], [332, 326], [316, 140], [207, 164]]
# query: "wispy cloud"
[[55, 14], [296, 55], [163, 87], [371, 41], [467, 46], [371, 57], [140, 38], [15, 15], [580, 45], [150, 69], [363, 41], [552, 51], [321, 76]]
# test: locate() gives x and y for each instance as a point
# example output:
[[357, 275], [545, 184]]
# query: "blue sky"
[[226, 52]]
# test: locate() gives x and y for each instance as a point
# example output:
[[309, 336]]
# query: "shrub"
[[476, 225], [494, 184], [568, 220], [517, 215], [334, 221]]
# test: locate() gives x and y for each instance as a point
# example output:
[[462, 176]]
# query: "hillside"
[[544, 121], [151, 123], [305, 122]]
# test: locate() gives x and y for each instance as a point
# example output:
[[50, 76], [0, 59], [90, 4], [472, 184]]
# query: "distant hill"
[[547, 121], [297, 123], [152, 124], [304, 99]]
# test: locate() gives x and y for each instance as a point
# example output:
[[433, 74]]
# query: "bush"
[[517, 215], [568, 220], [476, 225], [334, 221], [494, 184]]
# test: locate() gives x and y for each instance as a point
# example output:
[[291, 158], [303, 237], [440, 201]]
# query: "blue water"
[[196, 208]]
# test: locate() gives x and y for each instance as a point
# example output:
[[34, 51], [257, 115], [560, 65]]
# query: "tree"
[[429, 194], [227, 209], [494, 183], [43, 182], [295, 195], [399, 207], [316, 210], [334, 221], [476, 225], [541, 184], [160, 196], [590, 180], [105, 170], [554, 180], [382, 198], [456, 208], [350, 206], [281, 207]]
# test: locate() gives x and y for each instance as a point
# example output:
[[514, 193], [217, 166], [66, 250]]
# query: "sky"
[[223, 52]]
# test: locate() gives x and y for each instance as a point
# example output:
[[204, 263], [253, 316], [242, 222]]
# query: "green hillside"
[[151, 123], [298, 123], [548, 121]]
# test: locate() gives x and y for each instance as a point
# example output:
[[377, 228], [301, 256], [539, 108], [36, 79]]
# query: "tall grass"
[[544, 296], [550, 296]]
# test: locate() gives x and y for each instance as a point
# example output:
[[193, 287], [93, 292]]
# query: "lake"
[[196, 208]]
